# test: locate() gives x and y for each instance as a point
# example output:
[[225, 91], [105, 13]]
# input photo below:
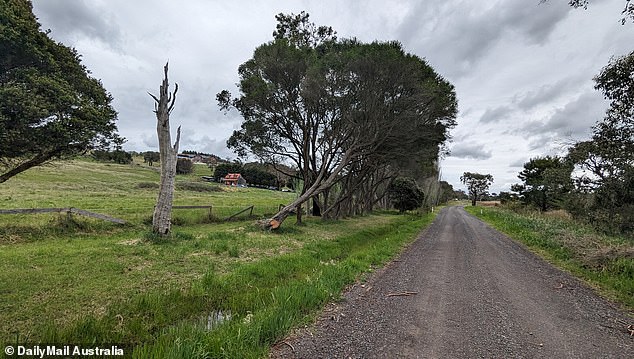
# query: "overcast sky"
[[522, 71]]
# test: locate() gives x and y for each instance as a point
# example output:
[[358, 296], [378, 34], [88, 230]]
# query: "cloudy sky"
[[522, 71]]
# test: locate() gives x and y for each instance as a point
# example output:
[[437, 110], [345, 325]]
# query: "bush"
[[184, 166], [405, 194]]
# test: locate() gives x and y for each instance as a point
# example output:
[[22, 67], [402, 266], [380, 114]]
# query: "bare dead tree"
[[161, 219]]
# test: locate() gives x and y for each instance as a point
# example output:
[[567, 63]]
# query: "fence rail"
[[194, 207], [250, 208]]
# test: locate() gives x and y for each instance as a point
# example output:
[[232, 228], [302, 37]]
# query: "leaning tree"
[[49, 105], [336, 109]]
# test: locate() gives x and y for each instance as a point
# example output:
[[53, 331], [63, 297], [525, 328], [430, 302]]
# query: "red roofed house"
[[234, 179]]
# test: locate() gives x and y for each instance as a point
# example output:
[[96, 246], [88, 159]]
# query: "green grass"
[[605, 262], [75, 280], [122, 191]]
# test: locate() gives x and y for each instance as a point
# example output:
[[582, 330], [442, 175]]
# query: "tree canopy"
[[405, 194], [49, 105], [477, 184], [606, 160], [340, 111], [545, 182]]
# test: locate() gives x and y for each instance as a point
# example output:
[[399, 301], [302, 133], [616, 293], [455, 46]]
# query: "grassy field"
[[80, 280], [122, 191], [605, 262]]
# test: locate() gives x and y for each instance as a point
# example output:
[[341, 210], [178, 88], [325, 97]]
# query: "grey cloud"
[[542, 142], [495, 114], [150, 140], [546, 93], [575, 119], [470, 150], [190, 141], [73, 19], [468, 32], [518, 163]]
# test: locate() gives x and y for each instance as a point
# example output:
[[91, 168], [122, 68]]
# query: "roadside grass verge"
[[605, 262], [268, 298], [159, 296]]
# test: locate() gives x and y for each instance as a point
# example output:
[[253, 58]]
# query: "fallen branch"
[[289, 344], [401, 294], [630, 328]]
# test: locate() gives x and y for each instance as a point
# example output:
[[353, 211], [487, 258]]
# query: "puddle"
[[212, 320]]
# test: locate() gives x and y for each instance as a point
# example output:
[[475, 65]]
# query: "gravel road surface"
[[464, 290]]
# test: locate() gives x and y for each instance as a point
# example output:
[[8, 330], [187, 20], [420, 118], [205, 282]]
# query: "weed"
[[234, 252]]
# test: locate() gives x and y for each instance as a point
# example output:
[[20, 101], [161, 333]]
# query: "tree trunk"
[[162, 217], [319, 185], [473, 201], [316, 207], [299, 211], [36, 161]]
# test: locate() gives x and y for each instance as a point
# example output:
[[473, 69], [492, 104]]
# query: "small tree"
[[477, 184], [150, 157], [405, 194], [546, 181], [161, 220]]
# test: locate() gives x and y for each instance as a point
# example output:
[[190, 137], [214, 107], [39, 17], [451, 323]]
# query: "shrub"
[[184, 166], [405, 194], [197, 187]]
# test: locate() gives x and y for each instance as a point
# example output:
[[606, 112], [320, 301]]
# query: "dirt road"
[[478, 295]]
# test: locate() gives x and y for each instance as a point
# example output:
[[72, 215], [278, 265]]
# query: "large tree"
[[545, 182], [336, 109], [477, 184], [49, 105], [607, 159]]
